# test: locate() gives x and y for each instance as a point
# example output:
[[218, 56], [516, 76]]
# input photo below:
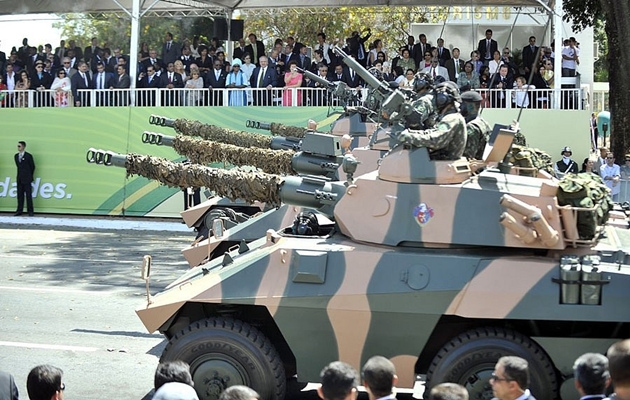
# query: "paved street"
[[67, 297]]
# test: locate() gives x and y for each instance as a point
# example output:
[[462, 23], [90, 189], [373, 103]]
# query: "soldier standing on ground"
[[25, 169], [477, 129], [447, 140]]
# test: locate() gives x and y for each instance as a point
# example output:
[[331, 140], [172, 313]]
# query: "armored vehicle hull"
[[292, 304]]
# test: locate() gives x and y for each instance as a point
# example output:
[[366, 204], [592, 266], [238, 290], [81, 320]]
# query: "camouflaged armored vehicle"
[[435, 267]]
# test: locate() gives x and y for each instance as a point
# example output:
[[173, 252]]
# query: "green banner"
[[58, 139], [65, 183]]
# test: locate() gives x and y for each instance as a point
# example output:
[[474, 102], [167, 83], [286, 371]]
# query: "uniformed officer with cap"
[[478, 130], [566, 165]]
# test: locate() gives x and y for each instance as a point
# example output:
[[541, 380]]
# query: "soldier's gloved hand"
[[404, 136], [515, 126]]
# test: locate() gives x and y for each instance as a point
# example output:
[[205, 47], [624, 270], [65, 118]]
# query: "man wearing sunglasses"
[[44, 383], [25, 170], [510, 379]]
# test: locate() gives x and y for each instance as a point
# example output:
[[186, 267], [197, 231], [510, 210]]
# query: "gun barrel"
[[324, 82], [161, 121], [258, 125], [157, 139], [360, 70]]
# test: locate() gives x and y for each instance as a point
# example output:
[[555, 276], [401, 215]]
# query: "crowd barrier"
[[567, 99]]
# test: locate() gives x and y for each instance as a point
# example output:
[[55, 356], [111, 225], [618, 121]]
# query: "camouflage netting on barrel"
[[233, 184], [531, 160], [287, 131], [222, 135], [205, 152], [586, 190]]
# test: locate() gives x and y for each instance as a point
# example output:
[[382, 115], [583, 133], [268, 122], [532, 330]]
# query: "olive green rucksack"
[[586, 190], [528, 157]]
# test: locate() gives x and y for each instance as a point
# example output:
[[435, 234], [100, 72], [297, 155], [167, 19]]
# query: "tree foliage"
[[390, 24]]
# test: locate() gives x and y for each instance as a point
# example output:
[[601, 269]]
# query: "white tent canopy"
[[87, 6]]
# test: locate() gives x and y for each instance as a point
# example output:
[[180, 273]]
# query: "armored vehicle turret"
[[437, 267]]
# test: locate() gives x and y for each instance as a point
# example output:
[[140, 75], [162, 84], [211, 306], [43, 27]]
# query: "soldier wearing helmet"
[[424, 110], [447, 140], [566, 165], [477, 129]]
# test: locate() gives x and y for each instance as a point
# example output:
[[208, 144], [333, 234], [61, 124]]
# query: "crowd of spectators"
[[63, 72], [511, 379]]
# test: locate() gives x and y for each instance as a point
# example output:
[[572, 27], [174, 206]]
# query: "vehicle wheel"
[[469, 360], [224, 352]]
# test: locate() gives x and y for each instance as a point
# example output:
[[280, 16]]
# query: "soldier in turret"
[[447, 140], [477, 129], [425, 113]]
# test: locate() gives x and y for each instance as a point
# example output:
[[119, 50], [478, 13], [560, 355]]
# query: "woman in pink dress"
[[292, 79]]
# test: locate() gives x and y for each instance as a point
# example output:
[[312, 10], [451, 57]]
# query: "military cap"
[[471, 96], [566, 149]]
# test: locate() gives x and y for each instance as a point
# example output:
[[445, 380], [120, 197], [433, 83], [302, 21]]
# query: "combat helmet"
[[422, 81], [447, 93]]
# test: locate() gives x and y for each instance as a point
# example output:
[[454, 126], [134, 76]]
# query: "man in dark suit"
[[239, 50], [529, 55], [356, 44], [122, 81], [25, 169], [154, 61], [591, 376], [8, 388], [171, 80], [215, 79], [3, 61], [319, 94], [109, 61], [443, 54], [487, 47], [41, 81], [81, 80], [171, 50], [510, 379], [102, 81], [91, 51], [255, 48], [454, 66], [264, 79], [500, 82], [303, 61], [148, 80], [78, 52], [351, 78], [420, 49]]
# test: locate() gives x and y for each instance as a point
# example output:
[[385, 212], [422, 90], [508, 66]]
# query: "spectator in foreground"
[[44, 383], [448, 391], [591, 376], [239, 392], [611, 173], [8, 389], [379, 378], [619, 367], [339, 382], [510, 379]]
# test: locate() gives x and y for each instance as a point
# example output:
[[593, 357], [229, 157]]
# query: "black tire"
[[224, 352], [469, 360]]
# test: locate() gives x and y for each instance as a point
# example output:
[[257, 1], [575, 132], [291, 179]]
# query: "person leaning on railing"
[[468, 78], [61, 90]]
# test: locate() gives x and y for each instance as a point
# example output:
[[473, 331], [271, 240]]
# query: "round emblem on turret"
[[423, 213]]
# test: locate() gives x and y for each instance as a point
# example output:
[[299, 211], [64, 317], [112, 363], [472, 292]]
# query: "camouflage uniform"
[[425, 114], [478, 133], [446, 141]]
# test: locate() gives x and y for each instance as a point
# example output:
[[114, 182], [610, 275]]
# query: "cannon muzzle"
[[258, 125], [157, 139], [106, 157], [161, 121]]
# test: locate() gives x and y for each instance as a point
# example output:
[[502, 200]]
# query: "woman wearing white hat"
[[236, 80]]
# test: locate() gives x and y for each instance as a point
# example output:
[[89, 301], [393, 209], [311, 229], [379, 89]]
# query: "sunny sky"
[[37, 28]]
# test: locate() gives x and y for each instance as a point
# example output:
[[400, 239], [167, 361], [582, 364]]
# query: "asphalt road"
[[67, 298]]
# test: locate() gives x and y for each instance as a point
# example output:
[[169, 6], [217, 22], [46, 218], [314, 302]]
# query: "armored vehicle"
[[441, 270], [441, 266]]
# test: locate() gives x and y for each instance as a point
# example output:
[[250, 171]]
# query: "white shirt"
[[440, 70], [10, 82], [570, 52], [611, 171], [520, 97]]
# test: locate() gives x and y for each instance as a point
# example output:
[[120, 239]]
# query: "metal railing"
[[574, 99]]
